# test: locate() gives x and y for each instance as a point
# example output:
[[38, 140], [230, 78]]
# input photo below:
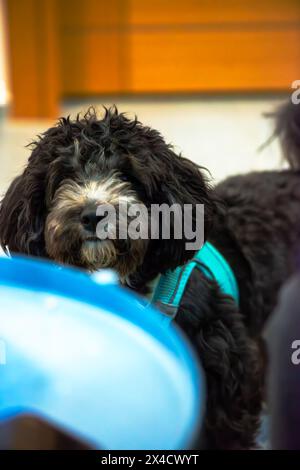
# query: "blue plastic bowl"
[[90, 358]]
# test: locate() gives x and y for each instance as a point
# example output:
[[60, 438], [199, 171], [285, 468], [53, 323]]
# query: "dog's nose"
[[89, 219]]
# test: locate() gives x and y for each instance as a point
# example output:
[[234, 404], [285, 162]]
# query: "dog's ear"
[[170, 178], [187, 183], [23, 209], [22, 215]]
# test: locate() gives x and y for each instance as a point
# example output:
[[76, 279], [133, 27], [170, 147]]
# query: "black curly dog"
[[251, 219]]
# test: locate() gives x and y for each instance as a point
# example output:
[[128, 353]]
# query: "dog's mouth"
[[96, 242], [92, 239]]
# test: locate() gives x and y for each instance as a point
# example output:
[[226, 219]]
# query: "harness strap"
[[171, 285]]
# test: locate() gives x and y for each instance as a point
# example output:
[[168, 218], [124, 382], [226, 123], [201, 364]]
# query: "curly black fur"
[[88, 148], [251, 219]]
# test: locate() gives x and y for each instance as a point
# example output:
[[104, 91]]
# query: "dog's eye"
[[124, 177]]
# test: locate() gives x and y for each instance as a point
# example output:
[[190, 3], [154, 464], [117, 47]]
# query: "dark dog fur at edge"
[[251, 219]]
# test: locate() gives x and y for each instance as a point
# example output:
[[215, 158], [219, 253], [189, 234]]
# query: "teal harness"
[[171, 285]]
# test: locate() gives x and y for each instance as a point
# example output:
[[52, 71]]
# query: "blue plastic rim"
[[135, 384]]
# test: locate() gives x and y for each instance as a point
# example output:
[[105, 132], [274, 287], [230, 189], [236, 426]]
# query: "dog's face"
[[51, 209], [97, 176]]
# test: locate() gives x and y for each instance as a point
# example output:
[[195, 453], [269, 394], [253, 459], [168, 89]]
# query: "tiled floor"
[[221, 134]]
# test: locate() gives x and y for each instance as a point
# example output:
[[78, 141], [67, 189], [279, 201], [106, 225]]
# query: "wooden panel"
[[79, 14], [168, 12], [92, 46], [91, 63], [223, 61], [148, 46], [33, 58]]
